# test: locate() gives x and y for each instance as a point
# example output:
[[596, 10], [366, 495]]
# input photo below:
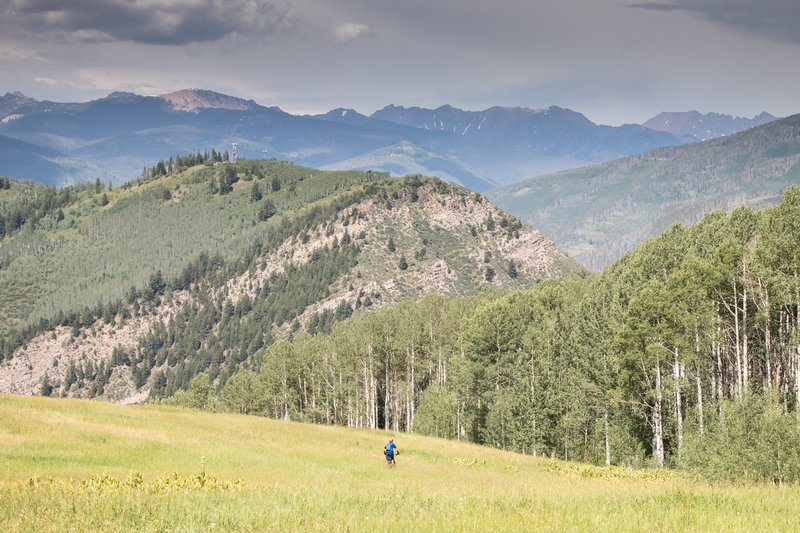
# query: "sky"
[[614, 61]]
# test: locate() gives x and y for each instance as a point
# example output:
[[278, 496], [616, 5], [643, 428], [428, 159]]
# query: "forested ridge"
[[684, 353], [231, 257]]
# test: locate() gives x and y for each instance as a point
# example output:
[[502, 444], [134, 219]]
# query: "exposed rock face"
[[445, 232], [192, 100]]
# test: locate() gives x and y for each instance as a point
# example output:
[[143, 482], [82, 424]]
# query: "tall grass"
[[75, 465]]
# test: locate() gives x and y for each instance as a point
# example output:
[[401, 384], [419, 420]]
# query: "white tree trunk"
[[700, 403], [608, 447], [745, 340], [658, 426], [410, 427], [739, 381], [678, 409], [797, 381]]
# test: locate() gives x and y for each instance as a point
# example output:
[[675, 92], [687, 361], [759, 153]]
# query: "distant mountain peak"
[[341, 112], [121, 94], [16, 97], [192, 100], [695, 126]]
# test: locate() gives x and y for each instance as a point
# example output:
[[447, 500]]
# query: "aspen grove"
[[683, 353]]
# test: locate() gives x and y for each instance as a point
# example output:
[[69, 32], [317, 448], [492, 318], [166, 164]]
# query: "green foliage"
[[512, 269], [74, 253], [244, 393], [436, 414], [199, 396], [255, 193], [267, 210], [750, 439], [24, 204]]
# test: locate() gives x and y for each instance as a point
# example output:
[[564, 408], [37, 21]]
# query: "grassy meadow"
[[77, 465]]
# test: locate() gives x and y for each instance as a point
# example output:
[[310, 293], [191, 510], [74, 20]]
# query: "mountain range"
[[693, 126], [114, 137], [597, 213]]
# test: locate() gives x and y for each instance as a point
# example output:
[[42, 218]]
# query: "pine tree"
[[266, 210], [512, 269], [46, 389], [255, 192]]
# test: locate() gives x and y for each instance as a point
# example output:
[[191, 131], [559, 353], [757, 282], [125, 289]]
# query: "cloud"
[[169, 22], [17, 52], [776, 20], [349, 31], [48, 81]]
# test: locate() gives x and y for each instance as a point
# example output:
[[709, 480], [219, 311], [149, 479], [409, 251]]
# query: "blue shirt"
[[390, 448]]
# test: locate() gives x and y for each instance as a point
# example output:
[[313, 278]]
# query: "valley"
[[597, 213]]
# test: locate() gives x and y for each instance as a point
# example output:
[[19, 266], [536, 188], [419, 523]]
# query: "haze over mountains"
[[115, 136], [597, 213], [693, 126]]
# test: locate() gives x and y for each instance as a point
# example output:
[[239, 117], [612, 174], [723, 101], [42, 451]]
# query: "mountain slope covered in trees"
[[597, 213], [195, 267]]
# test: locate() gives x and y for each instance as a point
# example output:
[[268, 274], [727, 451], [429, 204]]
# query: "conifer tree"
[[255, 192]]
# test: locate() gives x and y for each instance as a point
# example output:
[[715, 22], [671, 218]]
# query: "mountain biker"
[[389, 451]]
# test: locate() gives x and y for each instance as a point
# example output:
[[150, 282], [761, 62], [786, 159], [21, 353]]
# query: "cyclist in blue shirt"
[[389, 451]]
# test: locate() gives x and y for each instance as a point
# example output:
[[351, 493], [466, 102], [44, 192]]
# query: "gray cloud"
[[349, 31], [776, 20], [610, 61], [170, 22]]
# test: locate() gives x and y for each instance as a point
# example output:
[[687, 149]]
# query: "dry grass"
[[273, 475]]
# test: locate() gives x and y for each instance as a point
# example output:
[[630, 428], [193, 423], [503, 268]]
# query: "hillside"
[[117, 135], [100, 280], [101, 467], [599, 212]]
